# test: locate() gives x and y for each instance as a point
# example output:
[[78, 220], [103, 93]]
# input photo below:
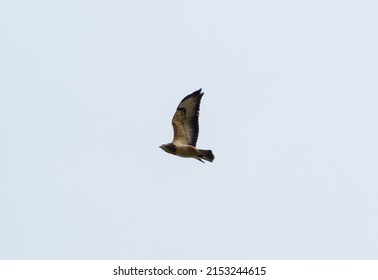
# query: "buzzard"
[[185, 129]]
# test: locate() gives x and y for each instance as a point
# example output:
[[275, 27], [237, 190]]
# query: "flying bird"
[[185, 130]]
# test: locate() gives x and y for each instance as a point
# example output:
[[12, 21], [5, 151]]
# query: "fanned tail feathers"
[[207, 155]]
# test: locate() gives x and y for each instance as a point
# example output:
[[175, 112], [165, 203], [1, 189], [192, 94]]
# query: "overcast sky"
[[87, 93]]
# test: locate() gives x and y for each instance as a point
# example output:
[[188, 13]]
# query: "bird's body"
[[186, 128], [188, 151]]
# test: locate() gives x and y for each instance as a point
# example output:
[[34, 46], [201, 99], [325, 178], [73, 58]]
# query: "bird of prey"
[[185, 129]]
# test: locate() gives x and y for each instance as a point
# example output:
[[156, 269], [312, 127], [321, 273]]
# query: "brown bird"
[[185, 129]]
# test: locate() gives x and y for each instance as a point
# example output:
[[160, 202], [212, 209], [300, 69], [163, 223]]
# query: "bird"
[[186, 128]]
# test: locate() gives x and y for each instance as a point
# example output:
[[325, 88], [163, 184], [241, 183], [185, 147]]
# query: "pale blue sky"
[[87, 93]]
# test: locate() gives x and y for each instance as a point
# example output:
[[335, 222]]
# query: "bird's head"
[[169, 148]]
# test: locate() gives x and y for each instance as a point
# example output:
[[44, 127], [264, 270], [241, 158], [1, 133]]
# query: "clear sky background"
[[87, 93]]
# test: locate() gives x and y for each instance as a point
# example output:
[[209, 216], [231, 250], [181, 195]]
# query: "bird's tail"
[[207, 155]]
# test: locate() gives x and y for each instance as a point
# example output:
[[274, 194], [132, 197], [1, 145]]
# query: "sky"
[[87, 93]]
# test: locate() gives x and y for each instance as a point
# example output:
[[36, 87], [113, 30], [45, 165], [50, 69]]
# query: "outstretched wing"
[[185, 120]]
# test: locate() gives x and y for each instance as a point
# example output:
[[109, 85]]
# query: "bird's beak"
[[161, 146]]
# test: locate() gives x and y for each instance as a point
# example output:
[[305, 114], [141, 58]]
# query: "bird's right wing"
[[185, 120]]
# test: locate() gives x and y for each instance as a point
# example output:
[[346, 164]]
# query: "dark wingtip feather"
[[200, 91], [197, 93]]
